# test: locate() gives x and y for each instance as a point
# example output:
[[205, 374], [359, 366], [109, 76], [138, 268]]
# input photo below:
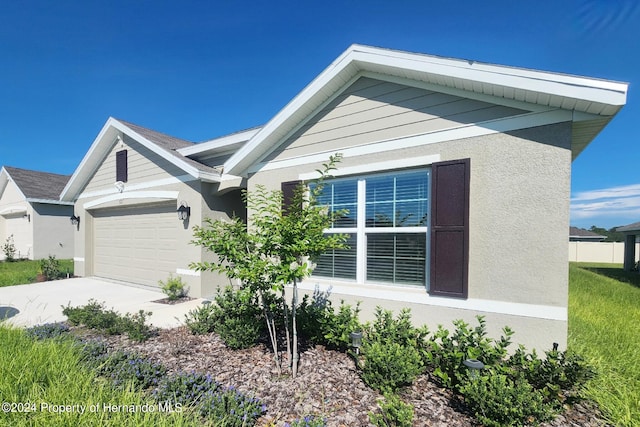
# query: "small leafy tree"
[[276, 249], [9, 249]]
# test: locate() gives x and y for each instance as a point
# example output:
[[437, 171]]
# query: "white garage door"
[[136, 244]]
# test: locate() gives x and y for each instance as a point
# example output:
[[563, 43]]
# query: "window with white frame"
[[387, 224]]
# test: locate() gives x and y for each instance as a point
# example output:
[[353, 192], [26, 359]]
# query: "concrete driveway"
[[38, 303]]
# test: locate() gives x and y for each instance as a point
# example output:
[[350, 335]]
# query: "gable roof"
[[164, 145], [592, 102], [36, 186]]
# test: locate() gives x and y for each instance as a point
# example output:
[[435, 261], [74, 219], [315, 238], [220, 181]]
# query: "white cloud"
[[619, 205]]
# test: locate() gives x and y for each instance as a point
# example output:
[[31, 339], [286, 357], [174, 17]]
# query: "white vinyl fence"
[[609, 252]]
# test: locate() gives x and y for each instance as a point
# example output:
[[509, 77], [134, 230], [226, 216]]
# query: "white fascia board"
[[215, 145], [161, 195], [565, 85], [5, 179], [12, 210], [85, 169]]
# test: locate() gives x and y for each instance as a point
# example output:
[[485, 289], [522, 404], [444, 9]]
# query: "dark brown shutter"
[[122, 169], [288, 191], [450, 228]]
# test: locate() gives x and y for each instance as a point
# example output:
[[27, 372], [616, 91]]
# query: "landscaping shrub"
[[231, 408], [448, 351], [94, 315], [9, 249], [388, 366], [499, 400], [174, 288], [124, 368], [312, 315], [201, 320], [393, 413], [338, 326], [50, 268], [236, 318], [47, 331], [185, 389], [392, 351]]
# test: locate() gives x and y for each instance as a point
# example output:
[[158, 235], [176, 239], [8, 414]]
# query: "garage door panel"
[[136, 244]]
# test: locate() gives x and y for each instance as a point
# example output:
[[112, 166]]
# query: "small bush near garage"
[[95, 315], [51, 268], [174, 288], [9, 249]]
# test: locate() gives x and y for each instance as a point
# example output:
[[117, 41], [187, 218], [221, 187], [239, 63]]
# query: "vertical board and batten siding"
[[371, 110], [450, 228], [143, 165]]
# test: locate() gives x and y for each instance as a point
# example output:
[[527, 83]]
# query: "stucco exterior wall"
[[52, 230], [519, 216], [12, 199]]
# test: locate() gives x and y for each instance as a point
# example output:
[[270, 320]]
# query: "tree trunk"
[[294, 303], [286, 327], [271, 327]]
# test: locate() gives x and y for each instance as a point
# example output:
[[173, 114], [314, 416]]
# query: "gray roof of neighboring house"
[[581, 232], [169, 143], [631, 227], [38, 185]]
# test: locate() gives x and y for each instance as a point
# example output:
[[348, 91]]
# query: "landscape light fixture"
[[474, 366], [356, 340], [184, 212], [75, 220]]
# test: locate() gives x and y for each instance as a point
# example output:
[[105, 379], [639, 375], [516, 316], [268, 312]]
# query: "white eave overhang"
[[221, 145], [104, 143], [595, 97]]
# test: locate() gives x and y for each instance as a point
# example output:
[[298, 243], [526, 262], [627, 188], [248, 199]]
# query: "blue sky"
[[201, 69]]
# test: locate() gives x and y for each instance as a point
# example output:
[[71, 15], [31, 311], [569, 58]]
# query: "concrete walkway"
[[39, 303]]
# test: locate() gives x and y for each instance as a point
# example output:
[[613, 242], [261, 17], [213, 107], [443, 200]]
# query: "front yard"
[[604, 316], [21, 272]]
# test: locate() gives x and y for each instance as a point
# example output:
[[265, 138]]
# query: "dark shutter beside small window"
[[122, 170], [288, 191], [450, 228]]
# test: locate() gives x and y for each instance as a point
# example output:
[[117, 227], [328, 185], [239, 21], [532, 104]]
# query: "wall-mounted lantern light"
[[75, 220], [27, 217], [184, 212]]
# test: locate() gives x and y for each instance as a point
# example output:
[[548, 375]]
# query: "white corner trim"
[[78, 259], [521, 121], [165, 195], [376, 167], [140, 186], [419, 296], [187, 272]]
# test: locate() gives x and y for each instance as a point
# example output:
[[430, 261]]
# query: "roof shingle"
[[38, 185]]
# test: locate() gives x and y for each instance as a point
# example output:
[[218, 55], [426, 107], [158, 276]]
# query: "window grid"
[[408, 267]]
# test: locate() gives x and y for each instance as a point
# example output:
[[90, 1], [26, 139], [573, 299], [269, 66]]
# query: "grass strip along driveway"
[[25, 271]]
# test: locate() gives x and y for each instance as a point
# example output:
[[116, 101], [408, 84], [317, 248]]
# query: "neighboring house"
[[32, 214], [456, 175], [631, 238], [581, 235]]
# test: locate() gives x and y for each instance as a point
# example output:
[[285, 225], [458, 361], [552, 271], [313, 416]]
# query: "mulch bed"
[[173, 302], [327, 383]]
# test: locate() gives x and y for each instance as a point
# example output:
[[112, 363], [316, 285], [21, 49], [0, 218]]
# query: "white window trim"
[[361, 230]]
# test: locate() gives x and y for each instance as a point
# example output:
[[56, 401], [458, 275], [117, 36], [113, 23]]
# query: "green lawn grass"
[[25, 271], [604, 327], [38, 378]]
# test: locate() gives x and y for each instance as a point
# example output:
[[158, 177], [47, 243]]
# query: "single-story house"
[[631, 237], [32, 214], [455, 173], [581, 235]]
